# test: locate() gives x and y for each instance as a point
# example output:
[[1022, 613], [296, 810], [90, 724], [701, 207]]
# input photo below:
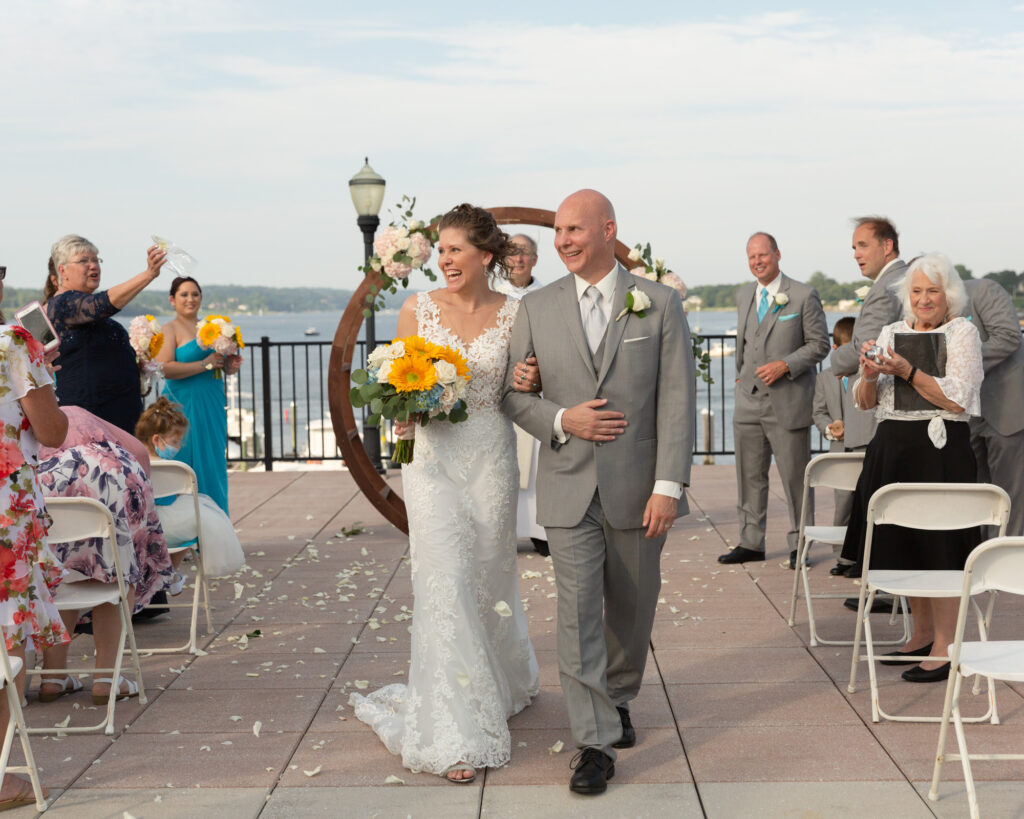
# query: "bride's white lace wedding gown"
[[472, 664]]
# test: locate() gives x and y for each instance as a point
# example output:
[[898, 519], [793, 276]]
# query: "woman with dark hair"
[[472, 664], [191, 381], [98, 370]]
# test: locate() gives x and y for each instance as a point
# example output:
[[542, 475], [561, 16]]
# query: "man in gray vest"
[[998, 435], [781, 335]]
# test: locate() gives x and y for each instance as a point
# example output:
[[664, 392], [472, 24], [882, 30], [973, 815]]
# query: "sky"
[[232, 127]]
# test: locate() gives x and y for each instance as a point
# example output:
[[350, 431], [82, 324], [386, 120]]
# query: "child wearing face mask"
[[161, 429]]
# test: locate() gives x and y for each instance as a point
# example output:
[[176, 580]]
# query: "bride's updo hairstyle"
[[484, 234]]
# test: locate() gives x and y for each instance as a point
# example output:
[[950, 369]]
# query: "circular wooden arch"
[[339, 370]]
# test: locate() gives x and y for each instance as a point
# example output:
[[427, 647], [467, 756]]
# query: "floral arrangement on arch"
[[656, 271], [403, 246]]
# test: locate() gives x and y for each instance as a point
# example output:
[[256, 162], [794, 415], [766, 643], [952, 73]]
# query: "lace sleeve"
[[964, 372], [21, 364], [72, 308]]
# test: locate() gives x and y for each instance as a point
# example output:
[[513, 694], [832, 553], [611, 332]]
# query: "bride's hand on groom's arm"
[[527, 376], [590, 422]]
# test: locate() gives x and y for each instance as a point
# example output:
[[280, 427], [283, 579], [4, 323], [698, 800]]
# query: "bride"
[[472, 664]]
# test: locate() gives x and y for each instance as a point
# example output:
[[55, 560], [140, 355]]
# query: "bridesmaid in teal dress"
[[191, 381]]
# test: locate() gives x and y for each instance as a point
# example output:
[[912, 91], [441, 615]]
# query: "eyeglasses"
[[3, 273], [87, 261], [518, 250]]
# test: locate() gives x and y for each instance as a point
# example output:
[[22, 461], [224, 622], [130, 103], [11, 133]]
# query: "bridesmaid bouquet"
[[412, 379], [220, 334], [146, 340]]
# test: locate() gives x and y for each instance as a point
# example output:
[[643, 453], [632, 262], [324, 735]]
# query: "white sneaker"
[[177, 584]]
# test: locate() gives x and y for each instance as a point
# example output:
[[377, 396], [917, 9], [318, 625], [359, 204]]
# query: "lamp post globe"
[[367, 191]]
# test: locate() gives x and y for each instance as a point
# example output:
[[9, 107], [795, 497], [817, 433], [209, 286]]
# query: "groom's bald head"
[[585, 233]]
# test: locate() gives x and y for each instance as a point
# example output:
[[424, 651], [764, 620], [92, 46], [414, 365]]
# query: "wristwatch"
[[207, 366]]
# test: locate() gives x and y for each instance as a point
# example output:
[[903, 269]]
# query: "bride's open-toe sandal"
[[68, 685], [101, 699], [459, 768]]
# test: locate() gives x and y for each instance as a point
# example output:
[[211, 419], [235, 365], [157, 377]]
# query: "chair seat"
[[833, 535], [85, 594], [917, 583], [1001, 659], [16, 664]]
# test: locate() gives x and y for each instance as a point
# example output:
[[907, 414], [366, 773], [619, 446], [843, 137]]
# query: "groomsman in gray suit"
[[876, 248], [781, 335], [998, 435], [616, 425]]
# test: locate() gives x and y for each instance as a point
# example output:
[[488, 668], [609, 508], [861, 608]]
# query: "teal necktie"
[[762, 308], [846, 381]]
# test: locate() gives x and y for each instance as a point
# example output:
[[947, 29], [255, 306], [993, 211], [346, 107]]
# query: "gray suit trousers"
[[758, 434], [1000, 459], [603, 630]]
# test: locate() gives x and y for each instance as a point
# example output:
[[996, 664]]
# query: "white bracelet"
[[869, 380]]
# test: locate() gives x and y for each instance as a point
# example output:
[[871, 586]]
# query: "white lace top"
[[961, 383]]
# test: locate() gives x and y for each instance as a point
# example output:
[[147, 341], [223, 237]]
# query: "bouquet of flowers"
[[220, 334], [146, 339], [403, 246], [412, 379]]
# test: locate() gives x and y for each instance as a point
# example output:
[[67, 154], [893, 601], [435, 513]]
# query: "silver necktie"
[[594, 320]]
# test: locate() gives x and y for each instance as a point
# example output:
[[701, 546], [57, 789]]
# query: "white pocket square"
[[631, 340]]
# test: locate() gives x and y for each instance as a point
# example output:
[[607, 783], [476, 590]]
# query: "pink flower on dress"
[[11, 458], [134, 500]]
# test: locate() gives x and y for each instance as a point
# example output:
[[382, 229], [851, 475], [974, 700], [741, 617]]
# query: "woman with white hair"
[[922, 435]]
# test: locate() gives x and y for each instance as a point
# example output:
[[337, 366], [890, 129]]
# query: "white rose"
[[640, 300], [403, 243], [397, 349], [376, 264], [380, 355], [415, 224], [862, 292], [401, 232], [385, 372], [781, 299], [659, 264], [445, 372], [635, 255], [652, 275]]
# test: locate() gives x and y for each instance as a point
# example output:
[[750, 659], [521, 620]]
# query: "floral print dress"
[[28, 570]]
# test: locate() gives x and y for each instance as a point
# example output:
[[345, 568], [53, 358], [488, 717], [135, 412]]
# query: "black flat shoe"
[[628, 731], [853, 570], [593, 768], [740, 554], [882, 605], [924, 651], [792, 560], [839, 570], [541, 547], [918, 674]]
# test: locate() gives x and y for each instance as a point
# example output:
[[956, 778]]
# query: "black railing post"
[[268, 423]]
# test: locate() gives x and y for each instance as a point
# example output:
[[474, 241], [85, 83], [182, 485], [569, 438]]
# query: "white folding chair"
[[170, 479], [996, 565], [80, 519], [833, 470], [10, 667], [930, 507]]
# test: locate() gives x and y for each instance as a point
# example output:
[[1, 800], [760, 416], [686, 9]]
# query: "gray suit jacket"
[[881, 306], [832, 402], [991, 310], [647, 373], [797, 334]]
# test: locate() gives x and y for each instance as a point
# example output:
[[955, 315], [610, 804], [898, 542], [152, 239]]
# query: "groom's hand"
[[588, 422], [659, 515]]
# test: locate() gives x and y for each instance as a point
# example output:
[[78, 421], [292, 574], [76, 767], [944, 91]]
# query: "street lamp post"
[[367, 190]]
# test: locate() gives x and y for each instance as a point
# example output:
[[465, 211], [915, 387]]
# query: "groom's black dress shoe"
[[628, 731], [902, 656], [740, 554], [882, 604], [593, 768], [792, 560], [918, 674]]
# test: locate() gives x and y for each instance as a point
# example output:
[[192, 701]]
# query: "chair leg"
[[861, 619], [16, 723], [801, 548], [961, 741], [129, 632]]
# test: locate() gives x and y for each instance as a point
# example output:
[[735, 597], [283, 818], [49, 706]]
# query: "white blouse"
[[961, 384]]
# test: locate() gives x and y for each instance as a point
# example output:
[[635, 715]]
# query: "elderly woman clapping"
[[922, 436], [98, 369]]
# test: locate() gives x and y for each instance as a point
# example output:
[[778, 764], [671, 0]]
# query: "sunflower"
[[419, 346], [208, 334], [412, 373], [155, 344], [455, 358]]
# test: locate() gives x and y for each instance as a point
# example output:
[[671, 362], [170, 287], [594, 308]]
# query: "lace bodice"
[[487, 354]]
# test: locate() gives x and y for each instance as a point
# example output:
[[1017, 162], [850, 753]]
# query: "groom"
[[616, 424]]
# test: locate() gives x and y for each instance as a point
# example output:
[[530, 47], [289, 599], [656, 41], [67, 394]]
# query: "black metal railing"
[[278, 409]]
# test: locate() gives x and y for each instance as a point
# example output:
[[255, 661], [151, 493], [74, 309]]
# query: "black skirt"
[[902, 452]]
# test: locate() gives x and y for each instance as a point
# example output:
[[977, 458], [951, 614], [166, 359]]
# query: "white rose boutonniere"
[[781, 300], [636, 302], [862, 293]]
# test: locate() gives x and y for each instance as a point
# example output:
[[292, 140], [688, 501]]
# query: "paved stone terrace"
[[737, 716]]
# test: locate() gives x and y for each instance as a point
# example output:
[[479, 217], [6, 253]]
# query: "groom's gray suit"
[[591, 496], [775, 419]]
